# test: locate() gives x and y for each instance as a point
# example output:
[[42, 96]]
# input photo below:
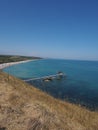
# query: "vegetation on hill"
[[23, 107], [10, 58]]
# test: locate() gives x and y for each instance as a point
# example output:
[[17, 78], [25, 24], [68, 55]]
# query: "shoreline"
[[5, 65]]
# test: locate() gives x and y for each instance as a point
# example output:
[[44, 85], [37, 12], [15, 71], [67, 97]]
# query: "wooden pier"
[[47, 78]]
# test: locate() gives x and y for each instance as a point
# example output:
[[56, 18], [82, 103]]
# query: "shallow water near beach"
[[79, 86]]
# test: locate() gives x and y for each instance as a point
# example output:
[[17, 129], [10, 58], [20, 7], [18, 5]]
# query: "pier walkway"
[[49, 77]]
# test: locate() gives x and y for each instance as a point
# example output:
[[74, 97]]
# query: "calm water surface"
[[80, 85]]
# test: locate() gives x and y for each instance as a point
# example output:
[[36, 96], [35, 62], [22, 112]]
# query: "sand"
[[4, 65]]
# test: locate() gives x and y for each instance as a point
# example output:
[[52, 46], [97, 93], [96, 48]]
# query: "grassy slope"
[[23, 107]]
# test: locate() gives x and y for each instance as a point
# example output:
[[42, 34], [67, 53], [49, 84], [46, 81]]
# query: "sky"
[[66, 29]]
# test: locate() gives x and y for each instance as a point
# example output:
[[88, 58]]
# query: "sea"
[[79, 86]]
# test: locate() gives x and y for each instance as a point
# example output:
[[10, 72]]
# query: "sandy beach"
[[4, 65]]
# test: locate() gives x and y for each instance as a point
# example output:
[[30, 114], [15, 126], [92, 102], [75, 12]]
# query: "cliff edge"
[[23, 107]]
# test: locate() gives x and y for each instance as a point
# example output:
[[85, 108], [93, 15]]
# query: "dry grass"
[[23, 107]]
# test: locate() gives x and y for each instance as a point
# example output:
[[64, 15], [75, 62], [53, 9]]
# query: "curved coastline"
[[5, 65]]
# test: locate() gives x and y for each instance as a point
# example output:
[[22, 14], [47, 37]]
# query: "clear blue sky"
[[50, 28]]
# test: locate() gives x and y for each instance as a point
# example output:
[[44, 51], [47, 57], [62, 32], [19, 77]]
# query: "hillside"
[[23, 107], [12, 58]]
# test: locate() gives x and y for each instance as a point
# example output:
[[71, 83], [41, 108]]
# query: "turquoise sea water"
[[80, 85]]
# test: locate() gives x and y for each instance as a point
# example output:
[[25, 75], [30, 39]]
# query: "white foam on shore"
[[4, 65]]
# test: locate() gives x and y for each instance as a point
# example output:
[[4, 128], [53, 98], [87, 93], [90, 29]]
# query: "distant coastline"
[[4, 65], [9, 60]]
